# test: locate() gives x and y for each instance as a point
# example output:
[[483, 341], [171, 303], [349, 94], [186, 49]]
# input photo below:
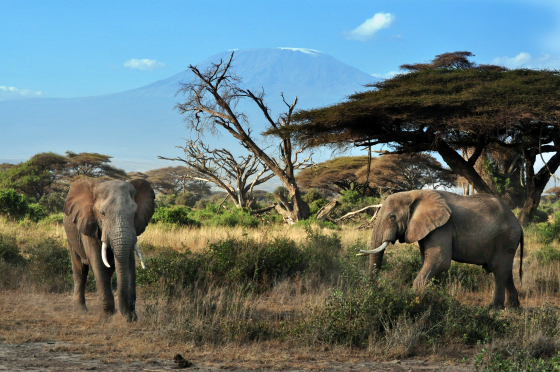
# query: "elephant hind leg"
[[80, 271], [505, 292], [512, 298]]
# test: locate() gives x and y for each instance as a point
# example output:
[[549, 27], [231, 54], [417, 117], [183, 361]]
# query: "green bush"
[[540, 216], [171, 270], [50, 266], [256, 265], [312, 221], [518, 361], [13, 205], [351, 197], [311, 196], [54, 218], [9, 251], [373, 309], [53, 202], [36, 212], [471, 277], [547, 255], [176, 215], [236, 217], [548, 232], [317, 204]]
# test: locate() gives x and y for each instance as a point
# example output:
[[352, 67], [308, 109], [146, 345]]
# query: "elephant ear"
[[79, 206], [145, 200], [428, 211]]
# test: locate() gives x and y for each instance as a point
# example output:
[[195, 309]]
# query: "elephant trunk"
[[123, 240], [383, 233]]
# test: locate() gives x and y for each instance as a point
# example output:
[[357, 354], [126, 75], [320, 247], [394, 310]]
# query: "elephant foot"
[[80, 308], [130, 317], [494, 306], [513, 304]]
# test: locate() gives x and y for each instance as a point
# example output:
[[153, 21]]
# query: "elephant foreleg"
[[436, 256], [80, 271]]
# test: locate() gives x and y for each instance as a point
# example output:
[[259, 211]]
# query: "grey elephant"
[[102, 221], [477, 229]]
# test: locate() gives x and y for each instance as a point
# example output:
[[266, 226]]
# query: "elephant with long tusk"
[[102, 222], [478, 229]]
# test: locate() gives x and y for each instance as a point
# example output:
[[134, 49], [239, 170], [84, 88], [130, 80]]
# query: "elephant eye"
[[102, 213], [393, 217]]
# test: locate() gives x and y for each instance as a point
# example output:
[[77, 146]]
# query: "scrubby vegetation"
[[249, 287], [218, 275]]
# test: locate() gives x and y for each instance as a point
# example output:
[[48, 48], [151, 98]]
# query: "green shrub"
[[171, 270], [256, 265], [53, 202], [471, 277], [374, 309], [323, 254], [13, 205], [36, 212], [547, 255], [54, 218], [351, 197], [176, 215], [50, 266], [548, 232], [403, 264], [317, 204], [517, 361], [540, 216], [9, 251], [236, 217], [311, 196]]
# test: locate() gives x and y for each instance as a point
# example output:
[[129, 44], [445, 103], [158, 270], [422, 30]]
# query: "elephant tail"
[[521, 258]]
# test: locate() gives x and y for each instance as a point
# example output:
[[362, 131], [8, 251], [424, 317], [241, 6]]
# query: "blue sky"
[[86, 48]]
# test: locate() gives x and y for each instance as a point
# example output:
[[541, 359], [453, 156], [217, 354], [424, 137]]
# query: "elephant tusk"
[[139, 255], [377, 250], [104, 254]]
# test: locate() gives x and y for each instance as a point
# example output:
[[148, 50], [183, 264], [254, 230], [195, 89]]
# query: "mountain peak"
[[304, 50]]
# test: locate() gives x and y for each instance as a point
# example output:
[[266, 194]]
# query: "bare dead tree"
[[220, 167], [211, 105]]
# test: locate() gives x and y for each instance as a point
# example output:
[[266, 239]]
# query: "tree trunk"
[[535, 184], [463, 168], [294, 210]]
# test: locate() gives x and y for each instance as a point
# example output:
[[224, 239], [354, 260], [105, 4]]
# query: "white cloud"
[[143, 64], [388, 75], [367, 29], [525, 60], [7, 93]]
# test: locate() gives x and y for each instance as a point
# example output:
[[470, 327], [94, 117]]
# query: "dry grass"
[[179, 326], [198, 238]]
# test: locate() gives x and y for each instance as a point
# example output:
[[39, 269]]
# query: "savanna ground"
[[274, 297]]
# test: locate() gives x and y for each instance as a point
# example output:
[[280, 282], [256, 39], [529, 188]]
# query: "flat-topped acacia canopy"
[[444, 105]]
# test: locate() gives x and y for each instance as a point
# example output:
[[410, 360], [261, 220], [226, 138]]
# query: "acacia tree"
[[403, 172], [335, 175], [36, 176], [220, 167], [446, 105], [210, 104], [91, 164]]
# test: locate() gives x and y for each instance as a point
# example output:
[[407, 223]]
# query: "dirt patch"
[[42, 332], [48, 356]]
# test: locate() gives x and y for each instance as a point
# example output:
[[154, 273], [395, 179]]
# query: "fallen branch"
[[263, 210], [375, 208], [324, 212]]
